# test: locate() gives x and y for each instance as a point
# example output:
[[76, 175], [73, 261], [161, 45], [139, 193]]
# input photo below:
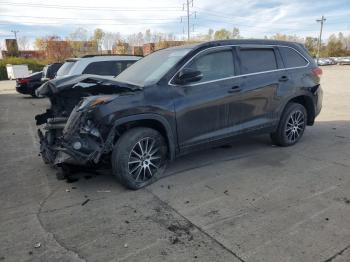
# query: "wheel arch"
[[153, 121], [308, 103]]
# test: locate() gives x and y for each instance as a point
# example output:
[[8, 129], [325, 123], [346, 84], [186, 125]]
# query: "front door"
[[208, 109]]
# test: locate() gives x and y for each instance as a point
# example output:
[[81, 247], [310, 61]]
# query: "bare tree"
[[136, 39], [80, 34], [98, 37], [236, 33], [23, 42], [110, 39], [148, 35]]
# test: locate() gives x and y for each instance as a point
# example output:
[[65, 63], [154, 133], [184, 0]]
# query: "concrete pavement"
[[248, 202]]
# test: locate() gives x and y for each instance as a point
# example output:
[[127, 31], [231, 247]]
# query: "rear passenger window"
[[107, 68], [255, 60], [214, 65], [100, 68], [292, 58]]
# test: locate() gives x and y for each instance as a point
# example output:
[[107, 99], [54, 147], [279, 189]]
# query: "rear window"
[[255, 60], [107, 68], [65, 68], [292, 58]]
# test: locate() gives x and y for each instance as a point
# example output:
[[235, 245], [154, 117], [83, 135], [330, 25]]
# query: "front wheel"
[[291, 126], [139, 157]]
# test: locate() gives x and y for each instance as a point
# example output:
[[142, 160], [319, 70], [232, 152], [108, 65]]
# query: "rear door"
[[295, 64], [208, 110], [262, 74]]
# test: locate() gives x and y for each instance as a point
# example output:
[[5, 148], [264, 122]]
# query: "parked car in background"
[[17, 71], [344, 61], [178, 100], [64, 91], [111, 65], [49, 71], [28, 85], [326, 61]]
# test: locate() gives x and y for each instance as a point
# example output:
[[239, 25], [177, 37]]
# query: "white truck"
[[17, 71]]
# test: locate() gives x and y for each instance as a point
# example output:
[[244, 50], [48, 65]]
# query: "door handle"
[[234, 89], [283, 78]]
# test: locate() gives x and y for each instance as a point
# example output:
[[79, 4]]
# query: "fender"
[[172, 141]]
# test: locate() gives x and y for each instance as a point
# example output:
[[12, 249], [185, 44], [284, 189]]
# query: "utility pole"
[[188, 3], [15, 32], [188, 20], [322, 20]]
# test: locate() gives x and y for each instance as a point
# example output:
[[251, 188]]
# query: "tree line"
[[79, 41]]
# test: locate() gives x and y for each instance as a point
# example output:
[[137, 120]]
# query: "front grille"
[[72, 124]]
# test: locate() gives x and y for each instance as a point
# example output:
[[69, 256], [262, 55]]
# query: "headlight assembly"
[[93, 101]]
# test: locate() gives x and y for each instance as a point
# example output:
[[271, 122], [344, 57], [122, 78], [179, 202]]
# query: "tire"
[[130, 167], [33, 94], [291, 126]]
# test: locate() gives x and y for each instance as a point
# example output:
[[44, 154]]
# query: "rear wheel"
[[291, 126], [139, 157]]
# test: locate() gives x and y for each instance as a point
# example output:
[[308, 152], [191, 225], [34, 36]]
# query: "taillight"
[[24, 81], [317, 71]]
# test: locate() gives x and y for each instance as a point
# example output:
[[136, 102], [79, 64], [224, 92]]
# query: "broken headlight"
[[93, 101], [90, 128]]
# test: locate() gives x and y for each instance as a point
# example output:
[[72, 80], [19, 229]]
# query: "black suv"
[[182, 99]]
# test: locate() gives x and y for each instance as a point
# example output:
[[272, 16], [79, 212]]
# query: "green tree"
[[334, 46], [222, 34], [311, 45]]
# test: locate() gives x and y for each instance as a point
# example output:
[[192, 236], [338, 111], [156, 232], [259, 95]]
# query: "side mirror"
[[188, 75]]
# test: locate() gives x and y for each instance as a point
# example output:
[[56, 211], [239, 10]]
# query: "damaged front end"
[[83, 139], [66, 133]]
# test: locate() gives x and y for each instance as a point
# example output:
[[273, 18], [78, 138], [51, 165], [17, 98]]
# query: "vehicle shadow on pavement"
[[254, 150], [242, 148]]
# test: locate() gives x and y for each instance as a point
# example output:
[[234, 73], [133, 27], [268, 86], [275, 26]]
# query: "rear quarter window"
[[292, 58], [254, 60]]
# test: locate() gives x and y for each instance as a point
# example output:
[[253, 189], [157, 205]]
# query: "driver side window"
[[214, 65]]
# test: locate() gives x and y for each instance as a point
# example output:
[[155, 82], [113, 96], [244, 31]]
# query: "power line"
[[94, 8], [198, 19], [89, 19], [87, 24]]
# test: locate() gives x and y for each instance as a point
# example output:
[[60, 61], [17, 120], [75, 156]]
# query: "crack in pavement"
[[337, 254], [196, 226], [59, 243], [69, 206]]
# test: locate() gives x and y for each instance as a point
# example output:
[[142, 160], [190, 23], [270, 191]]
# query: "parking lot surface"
[[249, 201]]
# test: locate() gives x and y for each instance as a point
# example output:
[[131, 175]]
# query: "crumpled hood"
[[83, 82]]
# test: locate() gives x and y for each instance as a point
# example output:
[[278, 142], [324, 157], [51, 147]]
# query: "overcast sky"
[[254, 18]]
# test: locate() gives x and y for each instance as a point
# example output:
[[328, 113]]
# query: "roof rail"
[[87, 56]]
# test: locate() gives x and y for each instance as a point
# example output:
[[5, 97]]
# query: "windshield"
[[65, 68], [150, 69]]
